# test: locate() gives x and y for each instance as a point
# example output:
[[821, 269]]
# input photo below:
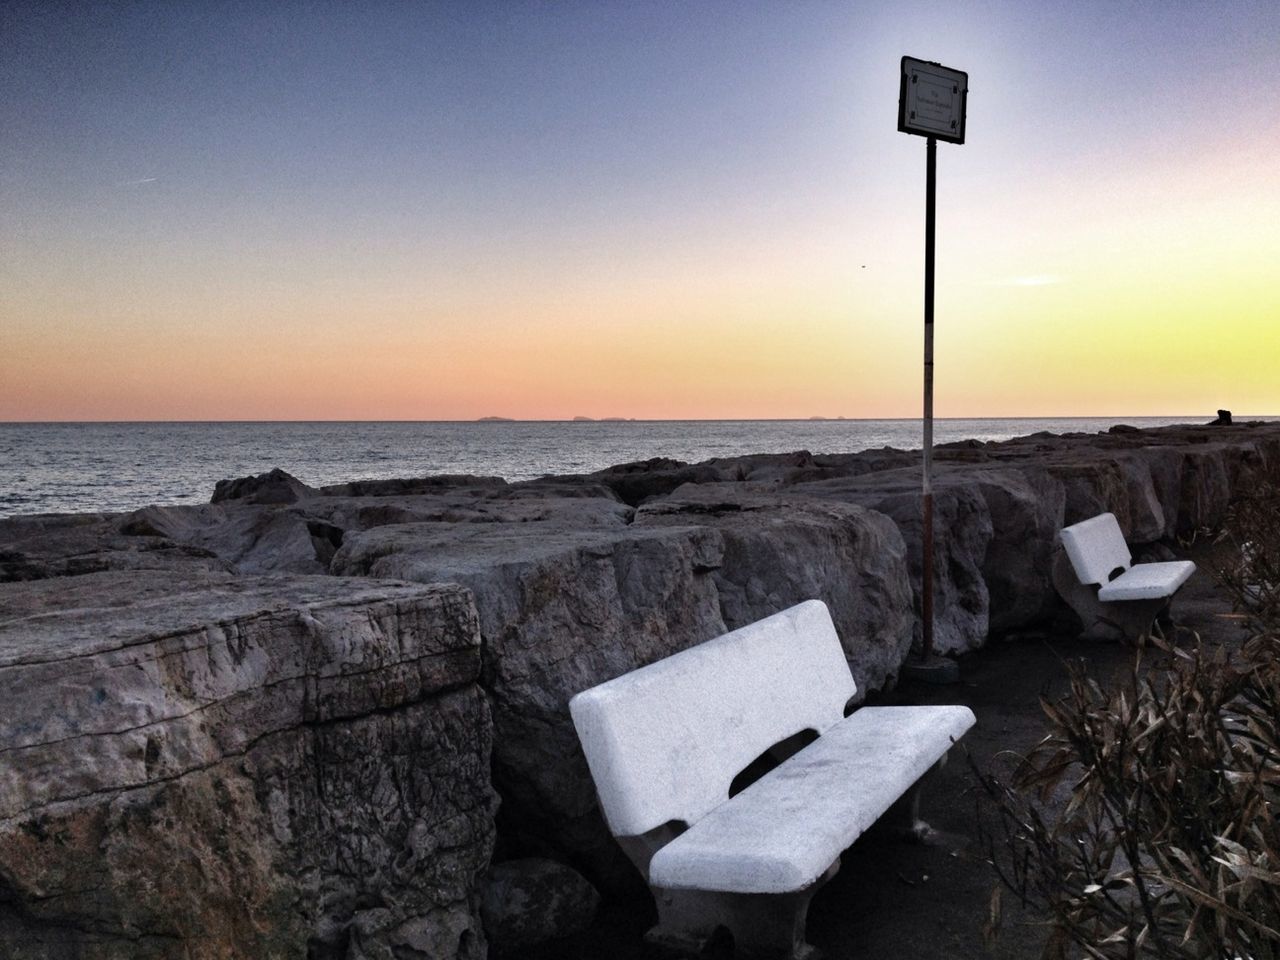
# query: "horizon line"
[[584, 419]]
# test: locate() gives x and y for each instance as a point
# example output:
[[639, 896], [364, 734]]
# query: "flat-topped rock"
[[287, 762], [560, 610], [69, 545]]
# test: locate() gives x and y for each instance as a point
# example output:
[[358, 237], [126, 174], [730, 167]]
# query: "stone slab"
[[208, 766]]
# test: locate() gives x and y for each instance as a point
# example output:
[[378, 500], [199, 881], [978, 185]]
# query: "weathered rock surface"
[[1026, 506], [275, 486], [562, 610], [201, 765], [413, 486], [69, 545], [781, 546], [963, 530], [531, 901], [575, 579], [559, 611]]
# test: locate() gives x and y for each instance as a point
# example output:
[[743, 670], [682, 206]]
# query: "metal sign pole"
[[932, 102], [926, 586]]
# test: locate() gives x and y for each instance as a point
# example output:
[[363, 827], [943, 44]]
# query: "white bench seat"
[[1148, 581], [783, 832], [666, 742], [1113, 596]]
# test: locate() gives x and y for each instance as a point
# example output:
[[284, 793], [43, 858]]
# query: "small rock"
[[146, 522], [531, 901], [274, 487]]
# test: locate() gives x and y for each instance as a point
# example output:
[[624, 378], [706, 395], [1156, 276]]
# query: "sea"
[[95, 467]]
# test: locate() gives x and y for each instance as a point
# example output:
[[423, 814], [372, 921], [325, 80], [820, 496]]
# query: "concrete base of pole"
[[936, 670]]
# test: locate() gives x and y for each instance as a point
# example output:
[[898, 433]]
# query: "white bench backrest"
[[665, 741], [1096, 547]]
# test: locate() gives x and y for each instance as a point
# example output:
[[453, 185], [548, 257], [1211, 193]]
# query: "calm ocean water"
[[80, 467]]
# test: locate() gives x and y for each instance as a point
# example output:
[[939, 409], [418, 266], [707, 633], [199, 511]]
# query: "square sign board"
[[931, 100]]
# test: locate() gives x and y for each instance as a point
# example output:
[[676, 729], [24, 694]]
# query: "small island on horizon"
[[578, 419]]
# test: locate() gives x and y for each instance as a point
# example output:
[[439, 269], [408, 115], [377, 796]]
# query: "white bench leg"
[[1113, 620], [763, 926], [903, 818]]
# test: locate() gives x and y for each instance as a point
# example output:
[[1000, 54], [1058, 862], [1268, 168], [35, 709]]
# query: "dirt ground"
[[894, 900]]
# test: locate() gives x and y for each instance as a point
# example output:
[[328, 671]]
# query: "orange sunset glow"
[[664, 211]]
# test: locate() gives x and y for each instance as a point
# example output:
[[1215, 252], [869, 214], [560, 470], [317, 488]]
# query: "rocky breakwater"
[[578, 579], [565, 605], [202, 765]]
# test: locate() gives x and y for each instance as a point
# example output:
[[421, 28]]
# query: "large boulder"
[[1092, 484], [248, 537], [238, 537], [1164, 464], [560, 611], [1147, 519], [1026, 507], [781, 548], [206, 766], [302, 537], [643, 480], [962, 532], [1205, 490]]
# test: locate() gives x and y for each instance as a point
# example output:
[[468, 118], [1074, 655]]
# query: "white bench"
[[1112, 594], [666, 741]]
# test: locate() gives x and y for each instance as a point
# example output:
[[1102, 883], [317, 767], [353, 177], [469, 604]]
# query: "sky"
[[666, 210]]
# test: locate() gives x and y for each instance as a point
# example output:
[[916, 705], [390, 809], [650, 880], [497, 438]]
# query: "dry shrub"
[[1145, 823], [1251, 574]]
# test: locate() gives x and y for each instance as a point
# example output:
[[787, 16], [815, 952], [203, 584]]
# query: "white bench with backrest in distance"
[[665, 744], [1111, 593]]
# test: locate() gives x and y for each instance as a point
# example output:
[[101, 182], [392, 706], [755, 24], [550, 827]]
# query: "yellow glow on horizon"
[[1128, 298], [1167, 304]]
